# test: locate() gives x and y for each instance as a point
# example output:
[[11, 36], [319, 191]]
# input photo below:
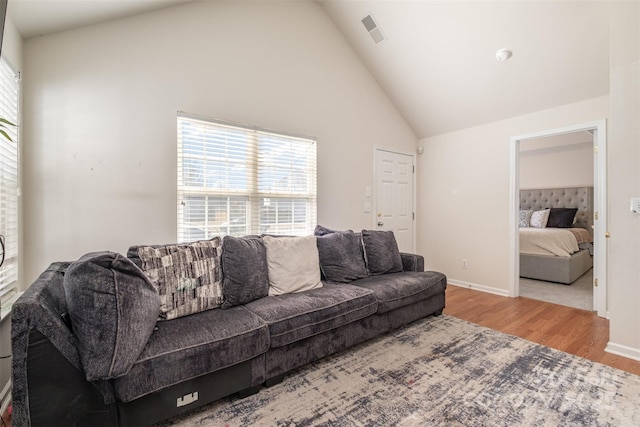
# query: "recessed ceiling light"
[[503, 54]]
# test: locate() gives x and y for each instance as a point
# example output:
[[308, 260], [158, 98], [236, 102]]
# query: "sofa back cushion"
[[341, 256], [321, 230], [245, 271], [293, 264], [381, 252], [113, 308], [188, 276]]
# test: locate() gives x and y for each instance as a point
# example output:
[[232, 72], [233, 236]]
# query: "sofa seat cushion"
[[396, 290], [191, 346], [293, 317]]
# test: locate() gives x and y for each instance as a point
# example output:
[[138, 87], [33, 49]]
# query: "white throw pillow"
[[293, 264], [539, 218]]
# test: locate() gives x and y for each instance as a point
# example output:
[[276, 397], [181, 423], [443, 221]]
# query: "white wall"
[[101, 102], [624, 179], [553, 167], [12, 42], [463, 199]]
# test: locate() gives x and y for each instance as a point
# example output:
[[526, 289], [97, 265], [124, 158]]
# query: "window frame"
[[10, 186], [247, 174]]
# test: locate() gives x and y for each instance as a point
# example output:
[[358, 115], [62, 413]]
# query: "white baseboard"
[[476, 287], [5, 397], [623, 350]]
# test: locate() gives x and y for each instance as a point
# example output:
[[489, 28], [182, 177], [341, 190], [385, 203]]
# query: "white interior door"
[[394, 196]]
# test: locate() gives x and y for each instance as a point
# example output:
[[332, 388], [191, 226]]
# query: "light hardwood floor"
[[571, 330], [568, 329]]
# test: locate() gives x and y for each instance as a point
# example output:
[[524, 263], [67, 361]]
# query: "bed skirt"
[[564, 270]]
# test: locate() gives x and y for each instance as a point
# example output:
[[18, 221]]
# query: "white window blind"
[[238, 180], [9, 95]]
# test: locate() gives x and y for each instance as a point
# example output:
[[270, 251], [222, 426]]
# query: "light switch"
[[635, 204], [367, 208], [367, 191]]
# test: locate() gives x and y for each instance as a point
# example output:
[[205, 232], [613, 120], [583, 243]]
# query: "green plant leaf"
[[6, 135], [6, 121]]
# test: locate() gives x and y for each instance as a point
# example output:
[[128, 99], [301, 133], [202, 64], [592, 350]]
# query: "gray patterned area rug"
[[440, 371]]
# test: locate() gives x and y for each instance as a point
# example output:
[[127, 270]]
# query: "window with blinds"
[[9, 95], [238, 180]]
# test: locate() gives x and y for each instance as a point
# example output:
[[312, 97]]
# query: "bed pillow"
[[188, 276], [381, 252], [341, 257], [562, 217], [539, 218], [244, 266], [113, 313], [293, 264], [525, 217]]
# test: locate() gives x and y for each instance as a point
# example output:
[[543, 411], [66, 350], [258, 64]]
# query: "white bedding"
[[548, 241]]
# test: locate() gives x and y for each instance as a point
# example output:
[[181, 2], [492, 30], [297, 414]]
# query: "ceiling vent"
[[374, 31]]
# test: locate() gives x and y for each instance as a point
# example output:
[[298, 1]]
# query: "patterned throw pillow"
[[539, 218], [188, 277], [525, 218]]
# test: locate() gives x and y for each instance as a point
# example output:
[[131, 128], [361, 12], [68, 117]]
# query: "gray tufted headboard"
[[573, 197]]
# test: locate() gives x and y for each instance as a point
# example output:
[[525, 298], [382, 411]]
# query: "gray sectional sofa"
[[101, 342]]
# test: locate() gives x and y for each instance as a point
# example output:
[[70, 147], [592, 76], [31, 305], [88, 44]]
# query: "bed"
[[556, 254]]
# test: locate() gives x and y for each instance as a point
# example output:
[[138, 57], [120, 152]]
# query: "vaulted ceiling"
[[438, 62], [40, 17]]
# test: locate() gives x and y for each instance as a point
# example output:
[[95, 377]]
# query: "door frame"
[[599, 130], [374, 219]]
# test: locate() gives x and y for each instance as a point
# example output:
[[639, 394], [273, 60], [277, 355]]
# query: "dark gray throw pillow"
[[561, 217], [113, 308], [341, 256], [244, 269], [381, 252]]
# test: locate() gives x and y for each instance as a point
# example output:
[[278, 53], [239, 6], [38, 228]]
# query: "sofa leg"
[[274, 381], [249, 391], [438, 312]]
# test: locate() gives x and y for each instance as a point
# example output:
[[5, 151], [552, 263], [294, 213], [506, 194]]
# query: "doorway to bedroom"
[[557, 171], [558, 177]]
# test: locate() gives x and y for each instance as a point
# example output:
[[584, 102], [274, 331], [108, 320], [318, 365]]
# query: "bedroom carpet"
[[579, 294], [439, 371]]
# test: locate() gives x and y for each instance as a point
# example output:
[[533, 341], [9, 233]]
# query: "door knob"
[[380, 223]]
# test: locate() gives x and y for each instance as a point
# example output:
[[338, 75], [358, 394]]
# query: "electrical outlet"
[[465, 264], [635, 205]]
